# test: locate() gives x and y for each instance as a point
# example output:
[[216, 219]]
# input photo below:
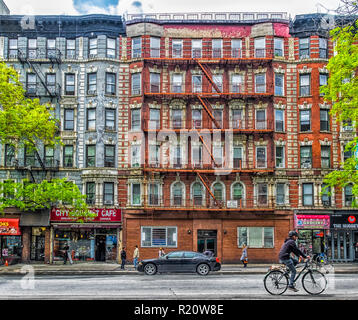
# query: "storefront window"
[[11, 247]]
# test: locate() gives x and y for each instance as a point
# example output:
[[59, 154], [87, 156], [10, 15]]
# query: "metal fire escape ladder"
[[208, 76], [205, 105], [207, 149], [207, 188]]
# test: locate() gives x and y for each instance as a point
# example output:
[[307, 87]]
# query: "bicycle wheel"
[[314, 282], [276, 282]]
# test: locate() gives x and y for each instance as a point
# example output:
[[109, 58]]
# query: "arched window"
[[238, 193], [197, 194], [218, 191], [178, 194]]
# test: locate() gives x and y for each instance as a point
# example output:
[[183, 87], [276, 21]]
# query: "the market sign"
[[10, 227], [102, 215], [344, 221], [304, 221]]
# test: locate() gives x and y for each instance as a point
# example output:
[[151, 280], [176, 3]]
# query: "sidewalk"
[[115, 269]]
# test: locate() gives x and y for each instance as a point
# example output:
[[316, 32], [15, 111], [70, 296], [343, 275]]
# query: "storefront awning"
[[86, 226], [40, 218]]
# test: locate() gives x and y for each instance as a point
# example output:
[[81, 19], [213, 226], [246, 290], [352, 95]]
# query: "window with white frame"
[[280, 193], [261, 119], [197, 83], [323, 48], [307, 194], [177, 194], [136, 198], [93, 47], [348, 195], [196, 48], [136, 47], [280, 156], [278, 47], [237, 157], [218, 154], [237, 121], [236, 48], [279, 87], [177, 48], [217, 48], [262, 194], [304, 48], [197, 155], [136, 84], [237, 193], [154, 82], [196, 118], [236, 83], [260, 83], [154, 119], [111, 48], [135, 119], [218, 80], [279, 120], [155, 47], [261, 157], [197, 194], [326, 195], [260, 48], [159, 237], [108, 193], [154, 155], [153, 194], [135, 155], [256, 237], [177, 83], [306, 157]]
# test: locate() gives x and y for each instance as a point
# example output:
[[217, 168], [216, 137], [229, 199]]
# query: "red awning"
[[10, 227]]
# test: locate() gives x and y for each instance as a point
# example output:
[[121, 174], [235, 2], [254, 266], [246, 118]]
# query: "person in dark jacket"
[[65, 253], [285, 257], [123, 257]]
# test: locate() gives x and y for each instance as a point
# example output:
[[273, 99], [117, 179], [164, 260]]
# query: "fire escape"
[[204, 99], [39, 85]]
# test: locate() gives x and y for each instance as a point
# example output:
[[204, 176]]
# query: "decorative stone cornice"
[[305, 106], [305, 70]]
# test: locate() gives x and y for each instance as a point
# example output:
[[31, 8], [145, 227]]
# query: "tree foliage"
[[27, 123]]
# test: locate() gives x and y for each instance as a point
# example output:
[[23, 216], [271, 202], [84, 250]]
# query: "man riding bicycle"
[[287, 248]]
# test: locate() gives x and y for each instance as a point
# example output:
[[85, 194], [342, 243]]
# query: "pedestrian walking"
[[161, 253], [135, 257], [65, 253], [244, 258], [123, 257]]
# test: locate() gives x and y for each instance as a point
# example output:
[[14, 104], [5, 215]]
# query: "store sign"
[[10, 227], [303, 221], [102, 215], [344, 221]]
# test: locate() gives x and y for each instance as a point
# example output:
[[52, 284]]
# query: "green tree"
[[342, 91], [27, 123]]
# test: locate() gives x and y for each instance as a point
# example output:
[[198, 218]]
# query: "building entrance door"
[[356, 245], [207, 240], [101, 248]]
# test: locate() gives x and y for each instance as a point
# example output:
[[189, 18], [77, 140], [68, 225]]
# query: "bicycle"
[[313, 281], [321, 261]]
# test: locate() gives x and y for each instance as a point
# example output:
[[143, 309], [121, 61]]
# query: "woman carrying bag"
[[244, 258]]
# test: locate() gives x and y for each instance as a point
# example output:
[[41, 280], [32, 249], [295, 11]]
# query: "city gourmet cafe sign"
[[102, 215]]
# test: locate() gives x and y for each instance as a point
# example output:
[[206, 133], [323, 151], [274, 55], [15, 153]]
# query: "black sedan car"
[[180, 261]]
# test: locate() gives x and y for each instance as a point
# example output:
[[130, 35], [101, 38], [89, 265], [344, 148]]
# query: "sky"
[[77, 7]]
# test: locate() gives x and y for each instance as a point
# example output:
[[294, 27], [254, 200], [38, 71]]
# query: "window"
[[261, 157], [325, 157], [279, 88], [347, 125], [71, 49], [154, 151], [323, 81], [51, 83], [306, 157], [136, 47], [136, 84], [218, 116], [92, 83], [155, 47], [29, 157], [348, 195], [31, 84], [217, 48], [197, 194], [278, 47], [196, 118], [136, 194], [108, 193], [177, 158], [218, 154], [324, 120], [305, 85], [260, 45], [197, 155], [260, 119], [218, 80], [135, 119], [177, 194], [305, 120], [256, 237], [68, 156], [326, 197], [32, 49], [307, 194], [136, 156], [236, 51], [154, 119], [237, 193], [196, 48], [218, 192], [9, 160], [69, 119], [177, 49], [93, 47], [280, 156], [13, 48], [279, 120], [304, 48], [197, 83], [109, 153], [237, 157], [177, 83], [159, 237], [110, 119], [111, 83], [90, 156], [236, 83], [260, 83], [90, 193], [153, 194], [91, 119], [176, 118], [280, 193], [323, 52], [347, 154], [69, 84], [111, 48], [237, 119], [155, 82], [51, 48], [49, 157]]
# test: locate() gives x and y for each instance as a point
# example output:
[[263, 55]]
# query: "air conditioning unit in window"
[[232, 204], [108, 202], [306, 166], [92, 92]]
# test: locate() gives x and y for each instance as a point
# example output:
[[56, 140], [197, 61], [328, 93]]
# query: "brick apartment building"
[[206, 131]]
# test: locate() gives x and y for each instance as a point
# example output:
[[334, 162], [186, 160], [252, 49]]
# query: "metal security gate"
[[342, 246]]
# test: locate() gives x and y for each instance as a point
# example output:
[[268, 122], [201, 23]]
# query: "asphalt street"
[[163, 286]]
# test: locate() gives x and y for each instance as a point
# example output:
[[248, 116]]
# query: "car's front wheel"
[[150, 269], [203, 269]]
